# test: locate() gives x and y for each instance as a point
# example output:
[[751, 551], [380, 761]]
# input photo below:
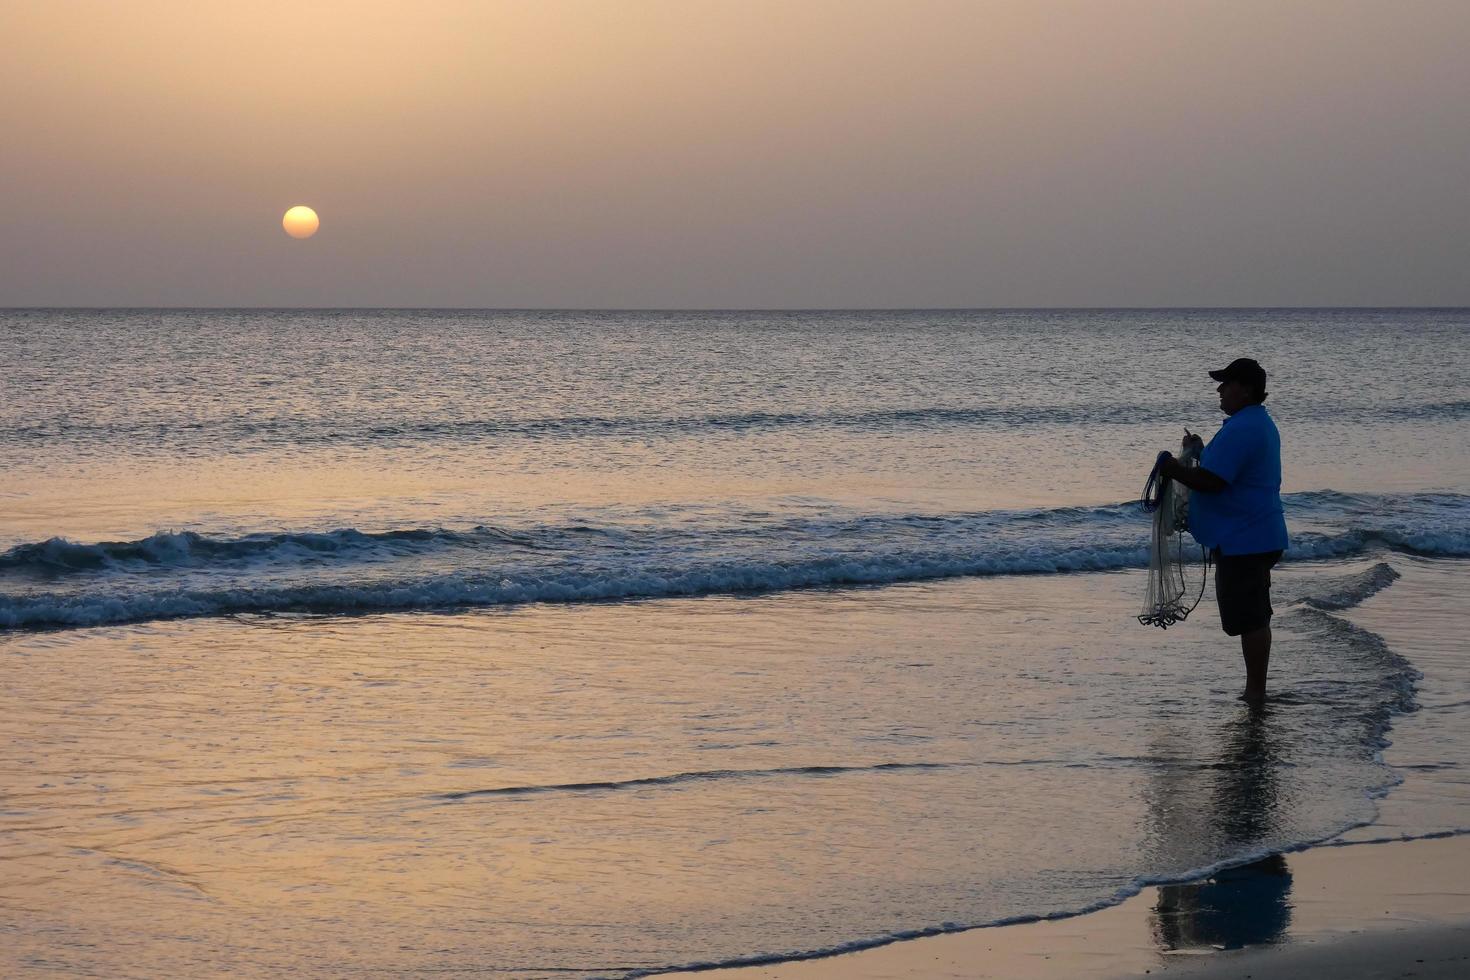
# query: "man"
[[1236, 513]]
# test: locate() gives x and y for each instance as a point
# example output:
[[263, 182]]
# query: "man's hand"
[[1193, 477]]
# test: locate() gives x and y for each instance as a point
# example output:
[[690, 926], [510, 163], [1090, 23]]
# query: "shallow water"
[[590, 644]]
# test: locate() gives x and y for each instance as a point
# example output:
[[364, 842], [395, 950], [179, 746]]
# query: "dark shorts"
[[1243, 589]]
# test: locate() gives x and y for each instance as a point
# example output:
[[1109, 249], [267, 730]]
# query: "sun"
[[300, 222]]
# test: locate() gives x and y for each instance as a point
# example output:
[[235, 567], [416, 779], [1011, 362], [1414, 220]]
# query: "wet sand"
[[452, 793], [1368, 910], [1362, 908]]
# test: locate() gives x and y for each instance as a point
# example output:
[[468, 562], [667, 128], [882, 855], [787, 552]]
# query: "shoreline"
[[121, 894], [1346, 910], [1356, 905]]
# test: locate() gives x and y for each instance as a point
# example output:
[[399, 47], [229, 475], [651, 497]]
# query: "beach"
[[798, 641], [1361, 906], [749, 488], [1390, 910]]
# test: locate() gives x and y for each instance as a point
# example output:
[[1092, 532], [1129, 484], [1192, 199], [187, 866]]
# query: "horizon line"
[[715, 309]]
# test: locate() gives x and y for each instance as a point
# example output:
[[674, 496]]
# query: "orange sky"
[[690, 153]]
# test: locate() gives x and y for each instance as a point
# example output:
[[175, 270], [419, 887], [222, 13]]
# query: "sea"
[[603, 644]]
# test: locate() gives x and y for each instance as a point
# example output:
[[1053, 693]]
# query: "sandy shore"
[[1369, 910], [1362, 910]]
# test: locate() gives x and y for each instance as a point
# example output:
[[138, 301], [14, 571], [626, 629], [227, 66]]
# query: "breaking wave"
[[191, 549], [57, 583]]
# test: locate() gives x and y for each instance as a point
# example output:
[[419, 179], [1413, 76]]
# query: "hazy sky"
[[682, 153]]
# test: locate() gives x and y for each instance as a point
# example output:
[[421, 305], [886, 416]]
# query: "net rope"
[[1170, 563]]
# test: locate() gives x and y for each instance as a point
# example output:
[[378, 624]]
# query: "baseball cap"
[[1246, 371]]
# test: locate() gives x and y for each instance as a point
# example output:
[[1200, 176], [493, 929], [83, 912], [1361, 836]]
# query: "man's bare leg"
[[1255, 646]]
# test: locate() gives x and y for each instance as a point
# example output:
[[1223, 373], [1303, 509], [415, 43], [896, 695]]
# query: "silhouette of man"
[[1236, 513]]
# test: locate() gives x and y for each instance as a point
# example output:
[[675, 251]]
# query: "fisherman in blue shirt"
[[1236, 513]]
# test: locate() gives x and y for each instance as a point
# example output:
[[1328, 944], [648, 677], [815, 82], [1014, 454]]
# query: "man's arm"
[[1193, 477]]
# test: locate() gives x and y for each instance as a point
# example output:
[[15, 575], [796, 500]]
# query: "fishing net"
[[1176, 572]]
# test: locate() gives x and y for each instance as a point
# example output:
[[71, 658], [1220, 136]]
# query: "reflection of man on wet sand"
[[1246, 905], [1249, 905], [1236, 513]]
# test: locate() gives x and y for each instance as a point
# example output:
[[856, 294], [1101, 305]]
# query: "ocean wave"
[[169, 575], [335, 430], [369, 431], [1352, 591], [1418, 523], [1440, 543], [191, 549], [50, 609], [93, 609]]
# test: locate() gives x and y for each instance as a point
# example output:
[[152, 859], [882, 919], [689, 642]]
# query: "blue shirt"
[[1245, 518]]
